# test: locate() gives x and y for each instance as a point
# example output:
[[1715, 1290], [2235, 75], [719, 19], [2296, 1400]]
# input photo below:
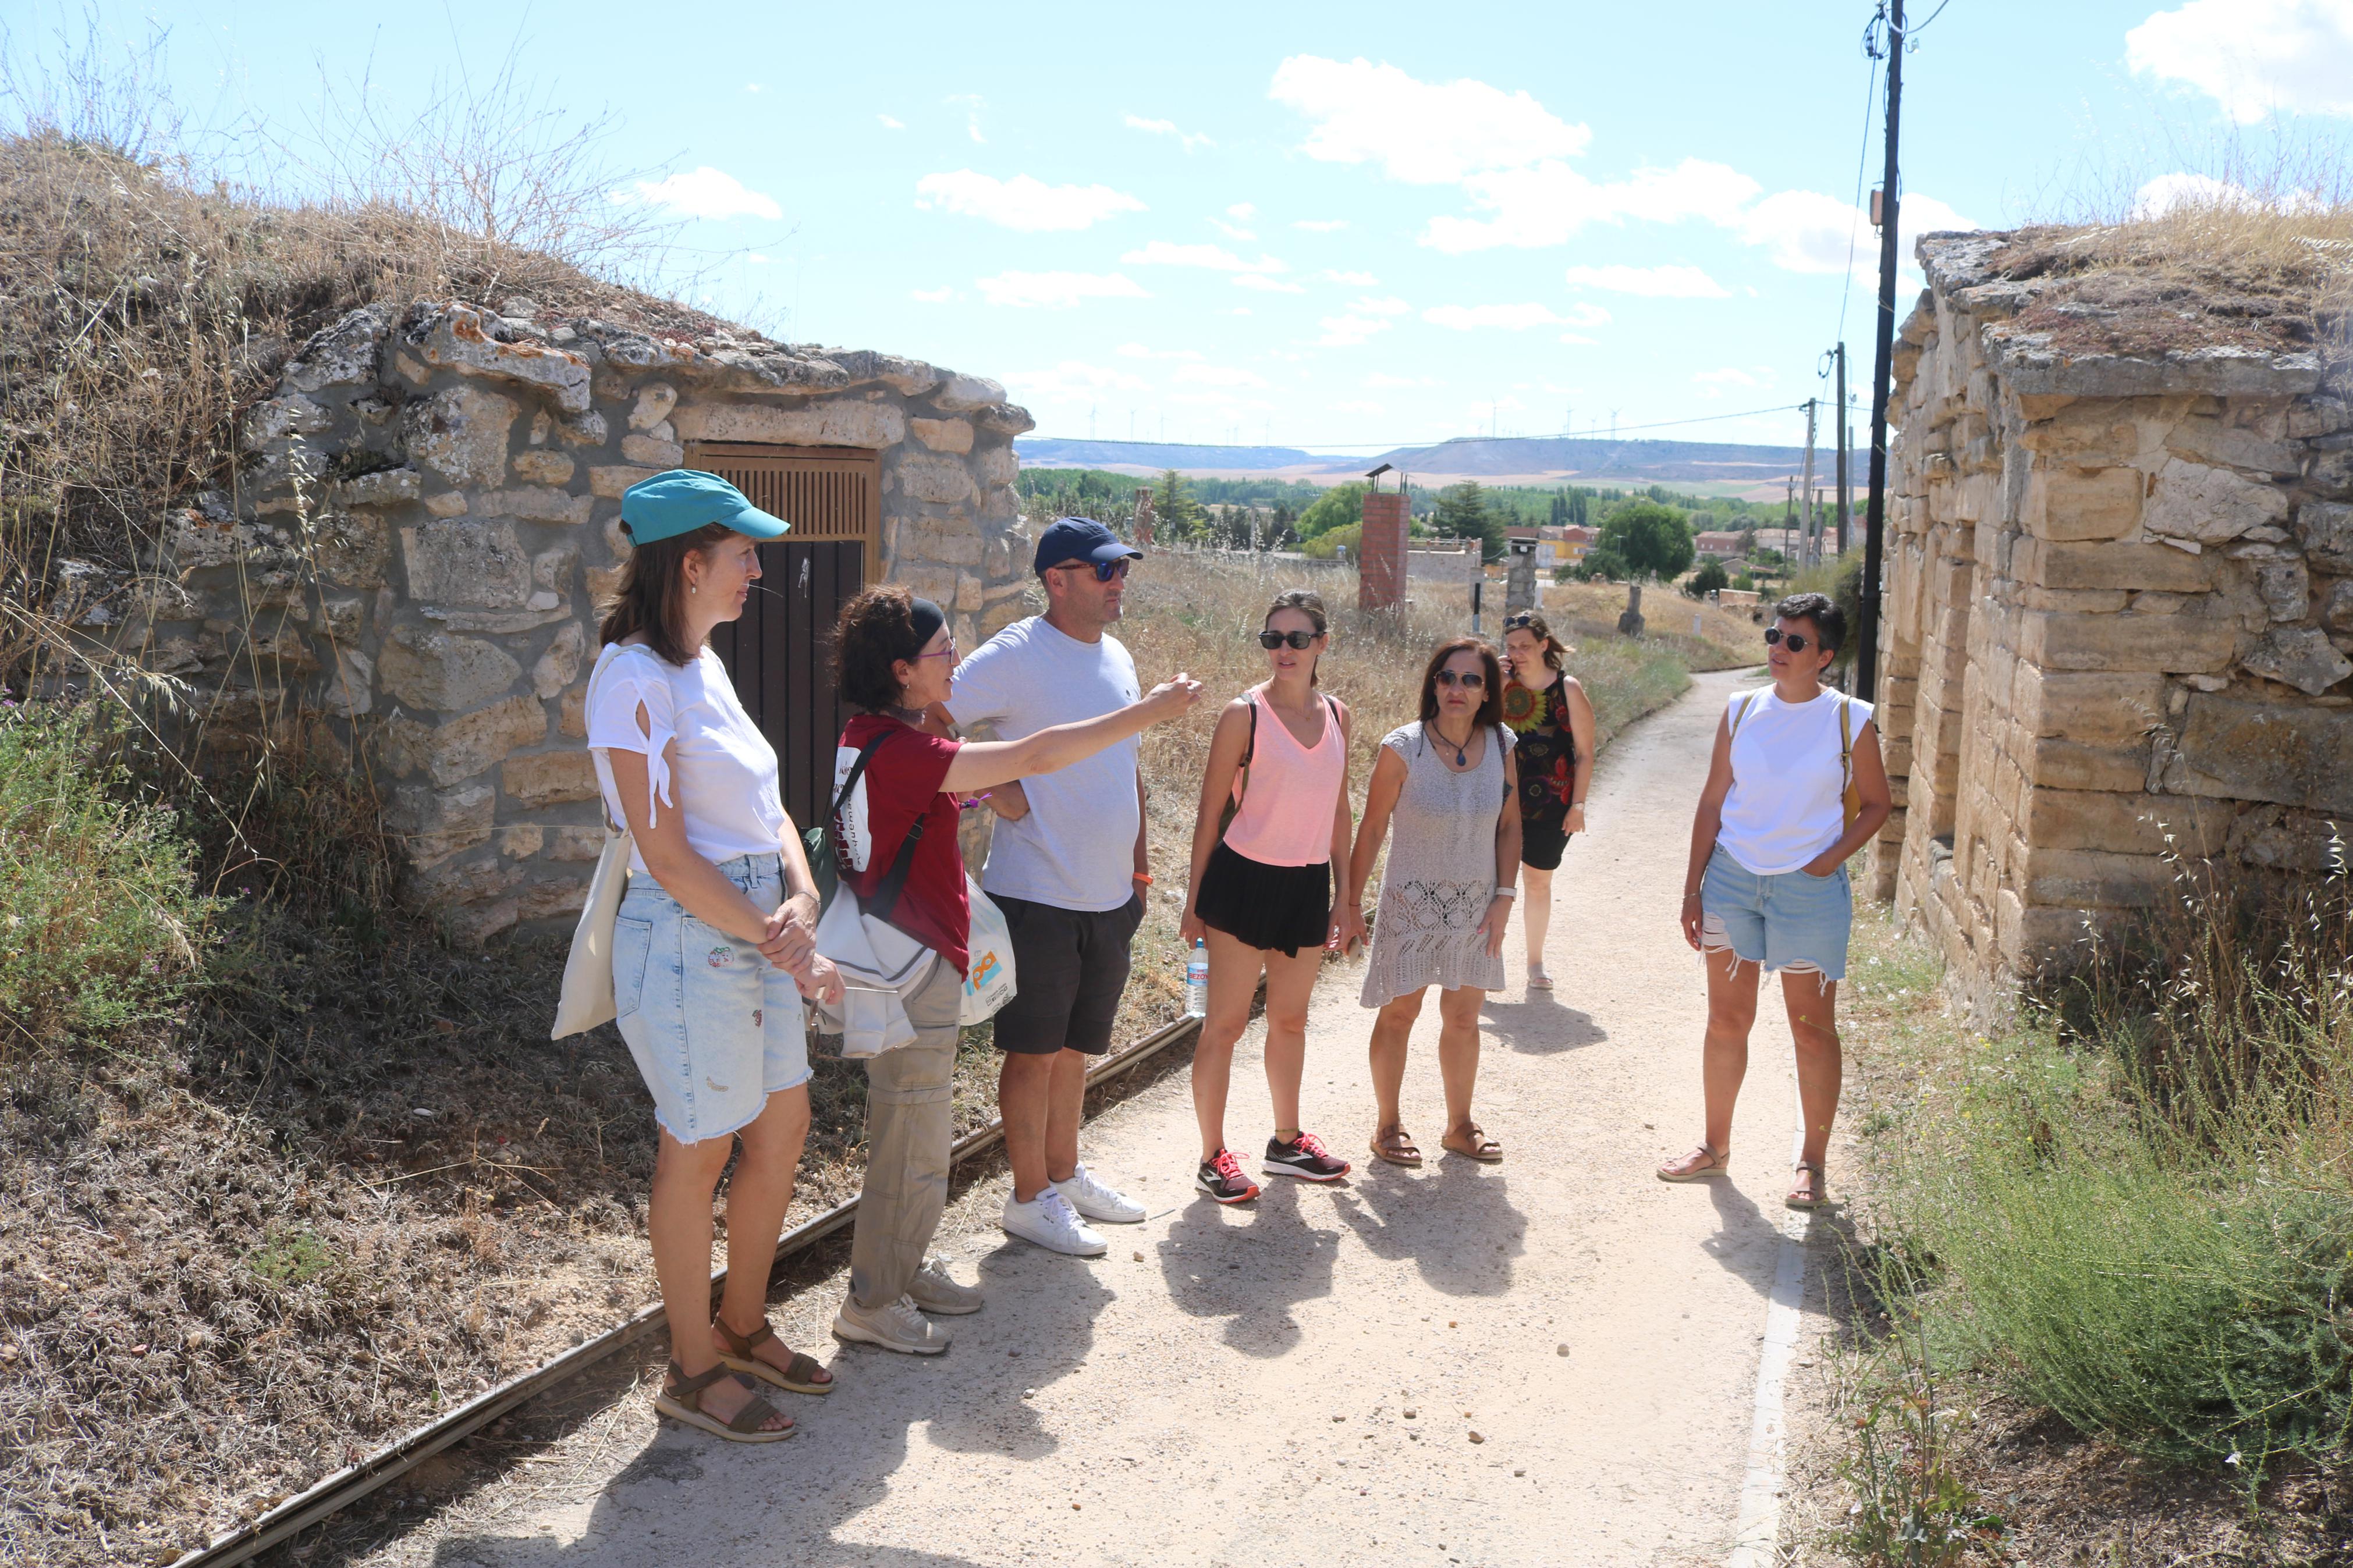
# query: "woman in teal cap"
[[714, 944]]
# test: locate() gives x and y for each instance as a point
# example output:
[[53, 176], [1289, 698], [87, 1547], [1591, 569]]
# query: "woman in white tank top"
[[1796, 787]]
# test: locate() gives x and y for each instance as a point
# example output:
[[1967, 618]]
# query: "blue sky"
[[1323, 224]]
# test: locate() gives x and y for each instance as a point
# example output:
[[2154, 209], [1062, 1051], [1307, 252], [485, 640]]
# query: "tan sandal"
[[1393, 1144], [1700, 1164], [680, 1399], [1815, 1194], [796, 1376], [1475, 1145]]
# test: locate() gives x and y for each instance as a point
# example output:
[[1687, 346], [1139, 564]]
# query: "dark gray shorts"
[[1070, 966]]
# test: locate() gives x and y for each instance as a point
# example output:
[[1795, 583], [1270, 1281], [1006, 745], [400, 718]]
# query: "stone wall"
[[406, 576], [2119, 601]]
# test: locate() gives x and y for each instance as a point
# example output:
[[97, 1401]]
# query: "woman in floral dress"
[[1553, 724]]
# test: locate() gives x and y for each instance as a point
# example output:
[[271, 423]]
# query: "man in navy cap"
[[1071, 876]]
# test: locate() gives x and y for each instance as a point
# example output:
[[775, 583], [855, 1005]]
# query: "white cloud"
[[1574, 338], [1347, 332], [890, 124], [1425, 133], [1166, 127], [1516, 318], [1265, 285], [1715, 383], [1546, 204], [708, 193], [1805, 231], [1218, 375], [1231, 231], [1217, 258], [2254, 58], [756, 87], [1055, 290], [972, 104], [931, 296], [1320, 225], [1074, 379], [1241, 212], [1021, 203], [1672, 282], [1353, 279], [756, 258], [1371, 305]]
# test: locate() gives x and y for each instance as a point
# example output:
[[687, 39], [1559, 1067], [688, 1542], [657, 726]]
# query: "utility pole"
[[1810, 529], [1866, 653], [1845, 444], [1788, 513]]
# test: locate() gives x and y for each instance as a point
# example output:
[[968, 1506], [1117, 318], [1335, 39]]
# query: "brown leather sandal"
[[1475, 1145], [1816, 1194], [680, 1399], [1703, 1163], [796, 1376], [1394, 1145]]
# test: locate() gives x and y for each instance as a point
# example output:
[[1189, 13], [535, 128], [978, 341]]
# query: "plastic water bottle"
[[1197, 981]]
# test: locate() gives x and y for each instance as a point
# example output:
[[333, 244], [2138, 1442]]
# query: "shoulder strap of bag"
[[886, 892], [588, 705], [1241, 778], [1741, 713], [1849, 802]]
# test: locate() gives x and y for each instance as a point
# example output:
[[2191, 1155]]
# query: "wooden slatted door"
[[779, 652]]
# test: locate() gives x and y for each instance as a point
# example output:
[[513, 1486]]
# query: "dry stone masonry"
[[408, 572], [2119, 602]]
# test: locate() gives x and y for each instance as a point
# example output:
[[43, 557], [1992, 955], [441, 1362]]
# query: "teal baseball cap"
[[683, 499]]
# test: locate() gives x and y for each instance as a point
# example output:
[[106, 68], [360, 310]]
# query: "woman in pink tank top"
[[1262, 889]]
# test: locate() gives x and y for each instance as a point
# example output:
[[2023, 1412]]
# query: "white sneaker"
[[1049, 1220], [1095, 1200], [897, 1327]]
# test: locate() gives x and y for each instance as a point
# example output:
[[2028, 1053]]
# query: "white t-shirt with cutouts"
[[724, 781]]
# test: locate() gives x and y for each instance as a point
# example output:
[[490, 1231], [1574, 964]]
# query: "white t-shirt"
[[1786, 804], [1076, 850], [724, 784]]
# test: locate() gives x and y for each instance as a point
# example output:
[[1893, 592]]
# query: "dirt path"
[[1299, 1381]]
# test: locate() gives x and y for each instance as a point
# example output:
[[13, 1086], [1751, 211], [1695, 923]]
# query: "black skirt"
[[1262, 906]]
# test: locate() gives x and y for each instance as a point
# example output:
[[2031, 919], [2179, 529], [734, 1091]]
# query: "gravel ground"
[[1548, 1360]]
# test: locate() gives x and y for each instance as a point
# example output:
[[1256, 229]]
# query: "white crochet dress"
[[1441, 874]]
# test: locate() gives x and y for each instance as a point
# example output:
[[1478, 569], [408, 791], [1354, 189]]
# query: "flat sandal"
[[796, 1376], [1397, 1147], [680, 1399]]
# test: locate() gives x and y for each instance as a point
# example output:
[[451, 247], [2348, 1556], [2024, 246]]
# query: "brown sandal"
[[680, 1399], [735, 1353], [1703, 1163], [1817, 1194], [1476, 1145], [1393, 1144]]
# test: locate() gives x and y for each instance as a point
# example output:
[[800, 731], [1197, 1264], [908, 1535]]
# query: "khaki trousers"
[[909, 1127]]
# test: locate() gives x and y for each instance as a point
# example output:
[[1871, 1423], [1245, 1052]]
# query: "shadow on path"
[[1453, 1219], [1539, 1027], [1250, 1264]]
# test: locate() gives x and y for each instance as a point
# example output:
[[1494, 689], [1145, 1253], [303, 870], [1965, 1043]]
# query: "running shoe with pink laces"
[[1303, 1157], [1221, 1177]]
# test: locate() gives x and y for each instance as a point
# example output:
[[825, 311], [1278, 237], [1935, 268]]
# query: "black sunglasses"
[[1796, 642], [1522, 619], [1104, 570], [1302, 641], [1472, 680]]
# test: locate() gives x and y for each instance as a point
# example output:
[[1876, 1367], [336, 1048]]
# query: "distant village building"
[[1716, 544], [1564, 546]]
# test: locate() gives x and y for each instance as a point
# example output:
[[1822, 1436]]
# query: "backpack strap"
[[886, 892]]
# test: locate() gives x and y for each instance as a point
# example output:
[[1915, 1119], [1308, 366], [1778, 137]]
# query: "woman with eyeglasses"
[[1270, 845], [1552, 723], [1448, 784], [1795, 788], [897, 780]]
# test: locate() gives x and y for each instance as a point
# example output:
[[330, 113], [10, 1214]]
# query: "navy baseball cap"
[[683, 499], [1079, 539]]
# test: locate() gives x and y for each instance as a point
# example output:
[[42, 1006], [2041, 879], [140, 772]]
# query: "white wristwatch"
[[1507, 892]]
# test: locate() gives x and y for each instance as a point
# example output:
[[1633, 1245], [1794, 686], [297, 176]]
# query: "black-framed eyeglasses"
[[1796, 642], [1104, 570], [1470, 680], [1302, 641]]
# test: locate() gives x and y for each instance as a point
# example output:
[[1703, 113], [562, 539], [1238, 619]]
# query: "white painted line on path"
[[1757, 1533]]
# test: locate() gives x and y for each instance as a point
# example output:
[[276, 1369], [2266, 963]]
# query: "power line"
[[1442, 440], [1862, 162]]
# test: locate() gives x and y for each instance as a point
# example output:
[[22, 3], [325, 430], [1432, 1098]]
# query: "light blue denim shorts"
[[1791, 921], [715, 1027]]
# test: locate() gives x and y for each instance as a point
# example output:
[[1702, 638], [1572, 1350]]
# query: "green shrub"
[[99, 917]]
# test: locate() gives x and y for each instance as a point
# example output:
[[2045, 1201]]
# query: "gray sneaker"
[[933, 1291], [897, 1327]]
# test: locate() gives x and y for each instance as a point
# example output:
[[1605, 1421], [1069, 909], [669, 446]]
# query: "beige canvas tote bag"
[[587, 999]]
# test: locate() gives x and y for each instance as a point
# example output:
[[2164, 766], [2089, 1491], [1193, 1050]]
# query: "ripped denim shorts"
[[715, 1027], [1790, 922]]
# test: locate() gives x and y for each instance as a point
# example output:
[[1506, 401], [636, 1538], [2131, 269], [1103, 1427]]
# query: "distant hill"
[[1590, 459], [1054, 453]]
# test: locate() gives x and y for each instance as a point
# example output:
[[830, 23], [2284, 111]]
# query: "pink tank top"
[[1286, 813]]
